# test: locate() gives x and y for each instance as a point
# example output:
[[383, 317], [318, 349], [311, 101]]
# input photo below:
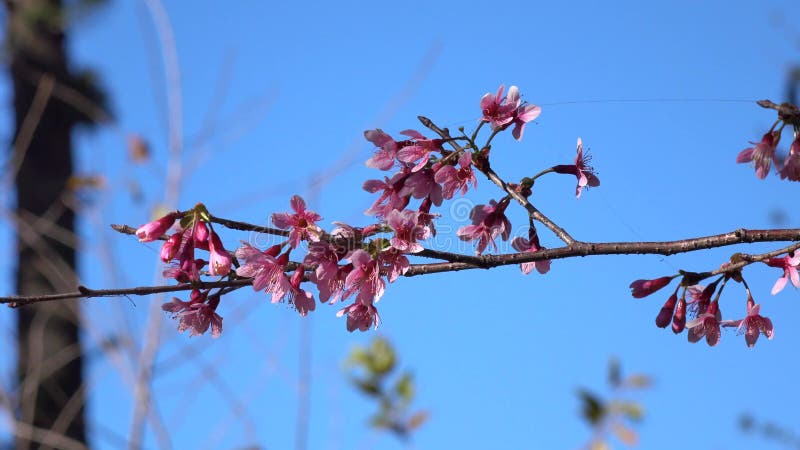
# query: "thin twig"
[[537, 215]]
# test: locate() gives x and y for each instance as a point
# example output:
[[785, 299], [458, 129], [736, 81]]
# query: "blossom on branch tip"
[[643, 288], [196, 315], [384, 158], [581, 169], [502, 112], [706, 325], [302, 222], [523, 113], [498, 111], [417, 152], [789, 265], [151, 231], [521, 244], [762, 154], [753, 325], [360, 316], [488, 222]]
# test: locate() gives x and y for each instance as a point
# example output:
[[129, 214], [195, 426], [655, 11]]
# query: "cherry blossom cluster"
[[764, 153], [353, 265], [701, 303]]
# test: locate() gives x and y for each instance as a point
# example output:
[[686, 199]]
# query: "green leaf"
[[631, 410], [382, 357], [405, 387], [593, 409]]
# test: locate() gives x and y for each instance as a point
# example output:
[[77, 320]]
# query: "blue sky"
[[289, 89]]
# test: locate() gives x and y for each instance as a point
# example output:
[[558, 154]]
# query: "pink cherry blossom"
[[422, 185], [581, 169], [219, 261], [151, 231], [789, 265], [706, 325], [331, 282], [265, 270], [498, 111], [407, 231], [488, 222], [643, 288], [391, 198], [196, 315], [301, 222], [302, 300], [181, 249], [426, 218], [365, 278], [393, 263], [417, 151], [762, 154], [531, 245], [791, 165], [360, 316], [700, 297], [753, 325], [453, 180], [384, 158], [523, 113]]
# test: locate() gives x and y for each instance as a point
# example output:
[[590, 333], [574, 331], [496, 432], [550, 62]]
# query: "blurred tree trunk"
[[50, 370]]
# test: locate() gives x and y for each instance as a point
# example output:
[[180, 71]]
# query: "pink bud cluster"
[[703, 304]]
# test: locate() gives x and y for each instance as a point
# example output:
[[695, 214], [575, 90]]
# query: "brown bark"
[[50, 372]]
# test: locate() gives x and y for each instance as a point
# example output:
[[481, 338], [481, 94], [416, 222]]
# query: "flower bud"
[[643, 288], [664, 316], [151, 231]]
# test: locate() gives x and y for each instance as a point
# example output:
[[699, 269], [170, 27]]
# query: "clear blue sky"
[[497, 355]]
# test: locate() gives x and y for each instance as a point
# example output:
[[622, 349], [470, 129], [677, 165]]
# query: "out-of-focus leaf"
[[631, 410], [382, 357], [81, 182], [593, 409], [614, 372], [625, 434], [638, 381], [357, 357], [368, 387], [405, 387], [599, 445], [417, 419], [138, 149]]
